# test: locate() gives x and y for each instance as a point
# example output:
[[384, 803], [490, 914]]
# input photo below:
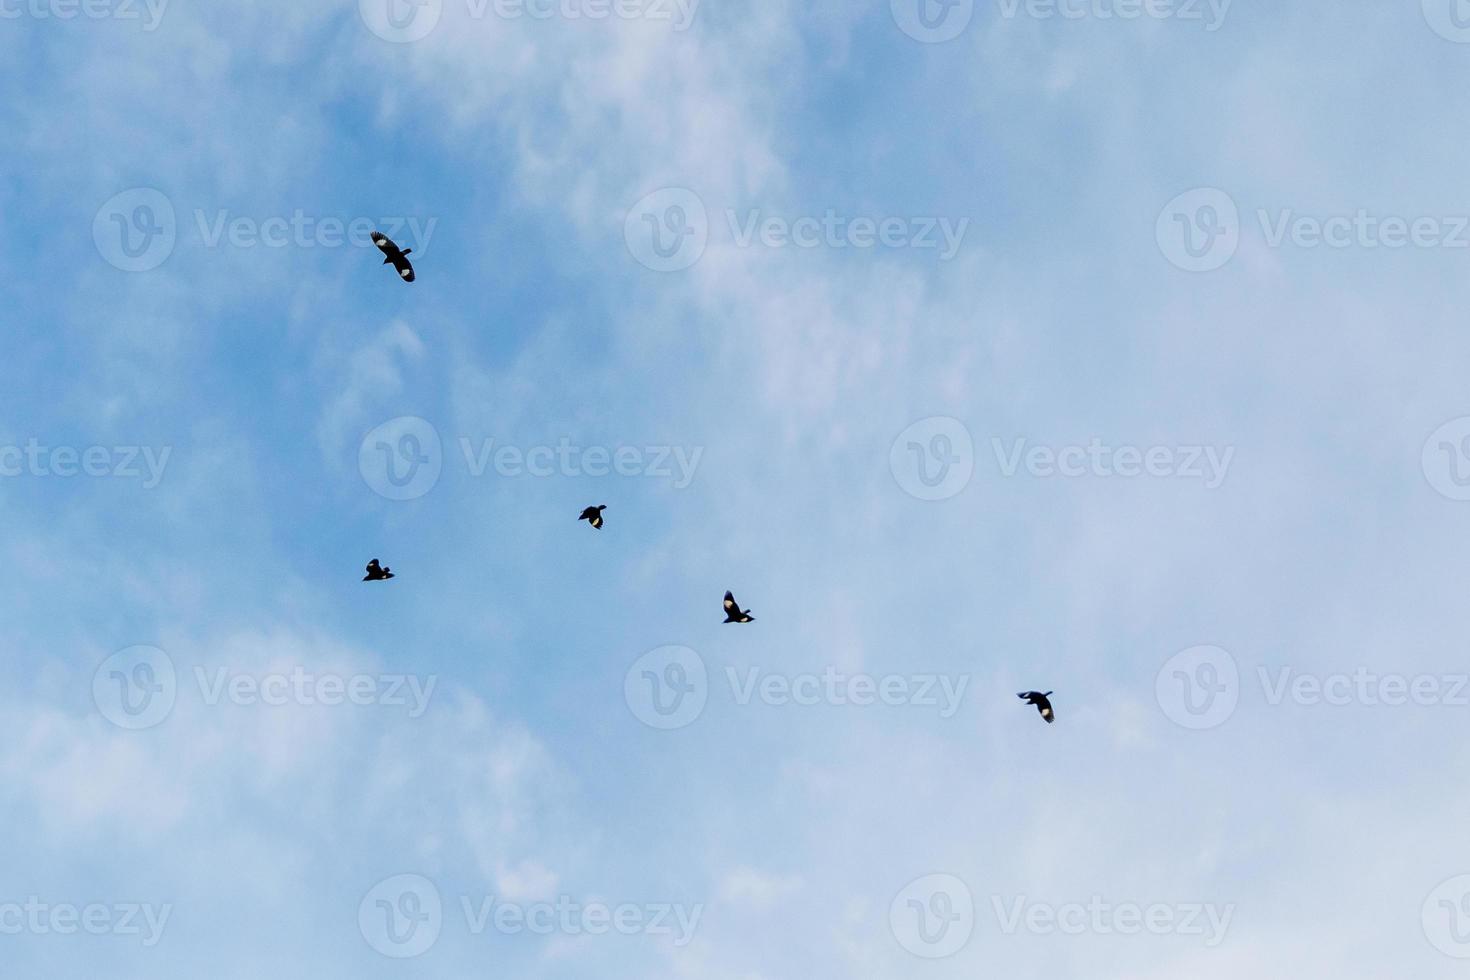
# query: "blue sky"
[[1174, 424]]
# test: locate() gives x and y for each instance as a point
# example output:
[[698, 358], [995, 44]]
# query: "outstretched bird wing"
[[731, 608], [395, 255]]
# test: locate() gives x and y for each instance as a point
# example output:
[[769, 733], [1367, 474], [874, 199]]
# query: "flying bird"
[[593, 515], [733, 612], [1042, 704], [377, 573], [394, 256]]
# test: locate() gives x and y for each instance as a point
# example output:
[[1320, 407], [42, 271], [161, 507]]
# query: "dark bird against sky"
[[733, 612], [394, 256], [377, 573], [1042, 704]]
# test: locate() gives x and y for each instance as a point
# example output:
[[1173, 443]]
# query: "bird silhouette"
[[394, 256], [377, 573], [593, 515], [733, 612], [1042, 704]]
